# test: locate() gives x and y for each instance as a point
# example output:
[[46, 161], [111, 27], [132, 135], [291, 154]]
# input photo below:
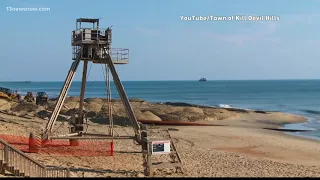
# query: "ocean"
[[293, 96]]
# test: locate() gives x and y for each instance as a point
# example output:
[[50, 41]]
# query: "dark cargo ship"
[[203, 79]]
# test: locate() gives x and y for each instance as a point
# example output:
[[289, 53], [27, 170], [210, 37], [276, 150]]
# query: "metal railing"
[[116, 54], [87, 34], [75, 52], [19, 164]]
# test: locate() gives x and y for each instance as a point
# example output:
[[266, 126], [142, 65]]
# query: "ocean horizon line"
[[19, 81]]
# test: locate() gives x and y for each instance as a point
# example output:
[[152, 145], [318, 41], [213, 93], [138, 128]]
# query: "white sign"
[[160, 147]]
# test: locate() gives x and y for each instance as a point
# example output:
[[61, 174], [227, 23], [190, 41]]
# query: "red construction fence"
[[61, 147]]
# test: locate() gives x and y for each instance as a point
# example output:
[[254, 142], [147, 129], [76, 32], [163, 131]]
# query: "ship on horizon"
[[202, 79]]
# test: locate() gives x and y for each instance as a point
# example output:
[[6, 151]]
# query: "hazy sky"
[[36, 46]]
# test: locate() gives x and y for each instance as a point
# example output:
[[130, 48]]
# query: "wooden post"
[[5, 160], [44, 172], [149, 162], [68, 173], [6, 155]]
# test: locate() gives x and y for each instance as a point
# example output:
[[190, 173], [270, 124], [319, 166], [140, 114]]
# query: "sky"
[[36, 46]]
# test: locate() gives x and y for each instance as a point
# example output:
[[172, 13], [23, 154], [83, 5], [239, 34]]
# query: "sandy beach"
[[240, 148]]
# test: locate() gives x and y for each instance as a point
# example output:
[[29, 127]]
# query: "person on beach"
[[18, 97]]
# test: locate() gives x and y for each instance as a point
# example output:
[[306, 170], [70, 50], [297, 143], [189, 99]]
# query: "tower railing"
[[118, 55], [89, 34]]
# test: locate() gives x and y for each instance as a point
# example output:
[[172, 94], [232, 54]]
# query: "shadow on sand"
[[119, 121], [87, 170], [47, 114]]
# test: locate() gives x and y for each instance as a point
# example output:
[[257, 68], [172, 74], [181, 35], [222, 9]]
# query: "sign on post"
[[160, 147]]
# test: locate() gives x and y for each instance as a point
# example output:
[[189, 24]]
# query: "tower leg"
[[62, 96], [83, 87], [79, 126]]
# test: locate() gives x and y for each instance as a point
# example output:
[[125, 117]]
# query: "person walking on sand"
[[18, 97]]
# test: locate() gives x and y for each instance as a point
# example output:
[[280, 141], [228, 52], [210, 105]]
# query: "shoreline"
[[296, 128], [301, 126]]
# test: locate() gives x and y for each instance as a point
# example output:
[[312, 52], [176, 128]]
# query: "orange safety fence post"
[[34, 144], [111, 148]]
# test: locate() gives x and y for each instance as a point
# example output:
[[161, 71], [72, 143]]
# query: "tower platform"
[[118, 56]]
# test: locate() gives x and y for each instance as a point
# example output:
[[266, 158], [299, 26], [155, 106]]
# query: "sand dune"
[[96, 109]]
